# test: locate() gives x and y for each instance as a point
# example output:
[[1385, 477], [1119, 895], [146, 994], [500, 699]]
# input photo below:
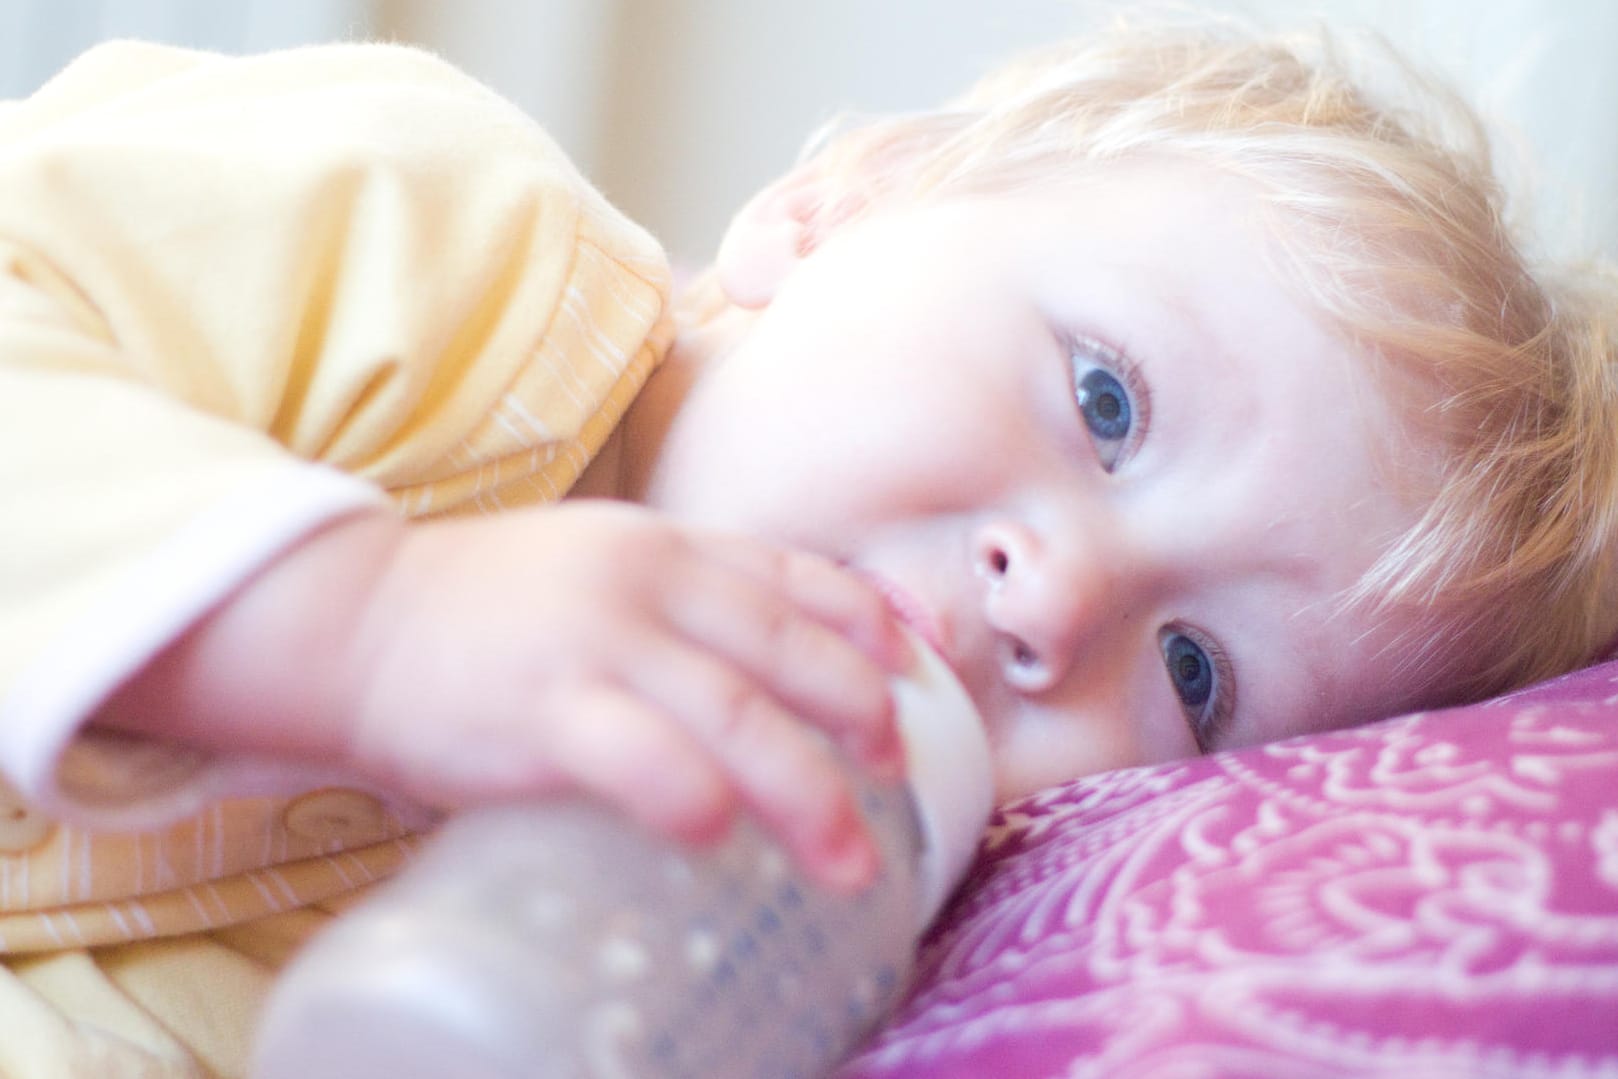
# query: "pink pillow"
[[1435, 895]]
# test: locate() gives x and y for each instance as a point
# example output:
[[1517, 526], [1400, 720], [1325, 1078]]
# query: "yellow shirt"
[[240, 298]]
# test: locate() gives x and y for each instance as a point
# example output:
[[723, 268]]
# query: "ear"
[[767, 239]]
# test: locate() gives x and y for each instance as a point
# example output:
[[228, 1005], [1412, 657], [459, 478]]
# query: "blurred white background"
[[680, 109]]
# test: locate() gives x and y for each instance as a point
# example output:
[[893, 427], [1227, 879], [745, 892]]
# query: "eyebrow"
[[1184, 324]]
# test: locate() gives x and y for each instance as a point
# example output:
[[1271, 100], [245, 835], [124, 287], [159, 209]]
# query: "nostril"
[[995, 546], [1024, 670], [996, 562]]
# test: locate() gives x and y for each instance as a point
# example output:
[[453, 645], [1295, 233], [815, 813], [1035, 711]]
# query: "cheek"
[[877, 429], [1048, 750], [1037, 747]]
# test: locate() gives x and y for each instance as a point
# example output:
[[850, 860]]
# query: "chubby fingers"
[[784, 773], [623, 750], [825, 591], [814, 636]]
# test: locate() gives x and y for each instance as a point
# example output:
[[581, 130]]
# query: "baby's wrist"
[[272, 669]]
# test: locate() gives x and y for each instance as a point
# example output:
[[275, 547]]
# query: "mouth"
[[908, 610]]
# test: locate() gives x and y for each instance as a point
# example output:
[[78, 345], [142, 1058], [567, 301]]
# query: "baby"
[[1179, 391]]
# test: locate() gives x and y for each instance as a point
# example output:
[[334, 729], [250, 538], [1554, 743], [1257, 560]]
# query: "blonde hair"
[[1396, 225]]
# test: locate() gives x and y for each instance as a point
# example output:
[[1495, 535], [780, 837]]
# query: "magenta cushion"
[[1436, 895]]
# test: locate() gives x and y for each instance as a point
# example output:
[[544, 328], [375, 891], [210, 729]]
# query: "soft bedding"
[[1436, 895]]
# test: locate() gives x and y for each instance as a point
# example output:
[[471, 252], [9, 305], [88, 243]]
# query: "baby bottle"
[[558, 939]]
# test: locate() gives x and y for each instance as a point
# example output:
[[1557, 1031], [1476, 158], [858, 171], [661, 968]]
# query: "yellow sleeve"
[[241, 296]]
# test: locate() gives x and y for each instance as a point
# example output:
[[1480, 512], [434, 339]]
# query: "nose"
[[1044, 600]]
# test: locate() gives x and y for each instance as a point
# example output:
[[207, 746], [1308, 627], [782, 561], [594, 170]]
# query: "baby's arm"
[[587, 646], [239, 299]]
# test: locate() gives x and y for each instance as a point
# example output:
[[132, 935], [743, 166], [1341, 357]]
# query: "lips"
[[908, 610]]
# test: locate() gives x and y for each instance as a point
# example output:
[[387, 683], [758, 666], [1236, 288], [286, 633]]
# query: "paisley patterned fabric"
[[1433, 896]]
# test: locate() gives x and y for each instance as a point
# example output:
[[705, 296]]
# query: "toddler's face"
[[1089, 446]]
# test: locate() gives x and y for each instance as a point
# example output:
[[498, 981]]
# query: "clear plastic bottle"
[[557, 940]]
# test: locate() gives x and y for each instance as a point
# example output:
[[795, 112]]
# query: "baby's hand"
[[600, 647]]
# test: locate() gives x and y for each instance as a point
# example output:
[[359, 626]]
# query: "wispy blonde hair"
[[1396, 227]]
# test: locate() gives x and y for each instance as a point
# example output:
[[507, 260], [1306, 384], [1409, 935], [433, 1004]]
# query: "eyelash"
[[1087, 354]]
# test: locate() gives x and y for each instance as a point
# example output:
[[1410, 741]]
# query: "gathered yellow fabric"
[[239, 298]]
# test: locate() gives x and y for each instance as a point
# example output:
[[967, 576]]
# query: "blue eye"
[[1106, 403], [1200, 682], [1189, 670]]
